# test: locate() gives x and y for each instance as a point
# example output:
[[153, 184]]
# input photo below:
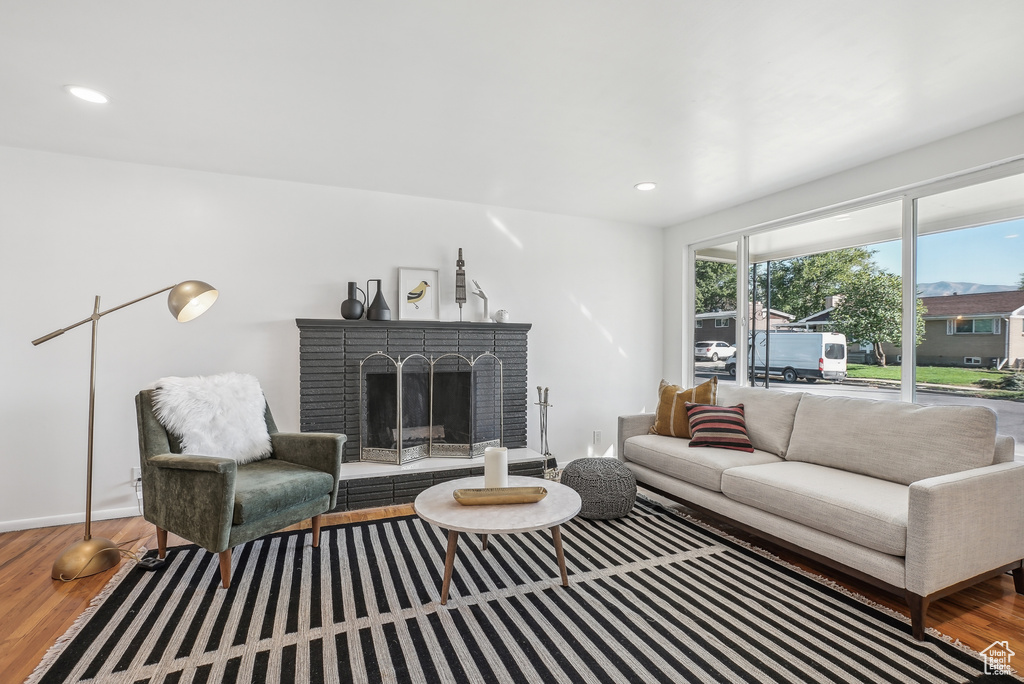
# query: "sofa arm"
[[964, 524], [1005, 446], [191, 496], [631, 426], [317, 450]]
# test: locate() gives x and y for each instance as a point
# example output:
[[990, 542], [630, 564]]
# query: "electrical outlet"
[[136, 475], [597, 436]]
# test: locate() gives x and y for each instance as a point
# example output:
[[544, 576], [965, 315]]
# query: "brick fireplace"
[[330, 352]]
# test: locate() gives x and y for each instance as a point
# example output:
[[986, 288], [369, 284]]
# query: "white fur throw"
[[215, 415]]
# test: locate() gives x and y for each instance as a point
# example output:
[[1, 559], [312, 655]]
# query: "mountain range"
[[944, 287]]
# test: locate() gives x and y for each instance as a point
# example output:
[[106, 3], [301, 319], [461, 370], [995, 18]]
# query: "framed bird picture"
[[419, 299]]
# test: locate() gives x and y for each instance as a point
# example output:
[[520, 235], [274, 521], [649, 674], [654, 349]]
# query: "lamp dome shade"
[[190, 299]]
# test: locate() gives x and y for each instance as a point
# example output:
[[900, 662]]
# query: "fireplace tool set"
[[551, 470]]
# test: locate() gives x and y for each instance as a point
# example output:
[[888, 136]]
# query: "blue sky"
[[989, 255]]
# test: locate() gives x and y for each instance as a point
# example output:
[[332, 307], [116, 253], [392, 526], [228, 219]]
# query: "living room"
[[280, 153]]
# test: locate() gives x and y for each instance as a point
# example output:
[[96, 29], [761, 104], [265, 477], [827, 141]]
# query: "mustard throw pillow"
[[670, 419]]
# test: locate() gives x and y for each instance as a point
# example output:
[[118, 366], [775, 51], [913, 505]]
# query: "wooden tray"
[[499, 495]]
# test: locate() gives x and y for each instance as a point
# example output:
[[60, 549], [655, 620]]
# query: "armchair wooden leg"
[[161, 542], [1018, 579], [315, 521], [918, 611], [225, 568]]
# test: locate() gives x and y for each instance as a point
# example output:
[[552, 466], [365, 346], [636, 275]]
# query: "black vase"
[[378, 309], [352, 308]]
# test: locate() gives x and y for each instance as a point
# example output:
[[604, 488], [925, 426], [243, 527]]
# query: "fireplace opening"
[[415, 408]]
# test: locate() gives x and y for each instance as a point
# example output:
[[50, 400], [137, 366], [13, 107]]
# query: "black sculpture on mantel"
[[460, 282]]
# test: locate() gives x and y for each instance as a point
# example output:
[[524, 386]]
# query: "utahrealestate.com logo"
[[997, 658]]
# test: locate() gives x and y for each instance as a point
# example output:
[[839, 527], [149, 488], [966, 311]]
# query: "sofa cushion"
[[267, 487], [670, 417], [892, 440], [769, 414], [860, 509], [701, 466], [718, 427]]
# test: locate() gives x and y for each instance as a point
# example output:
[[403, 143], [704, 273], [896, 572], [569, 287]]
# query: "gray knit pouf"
[[606, 485]]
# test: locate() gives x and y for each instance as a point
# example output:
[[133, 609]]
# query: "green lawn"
[[967, 377]]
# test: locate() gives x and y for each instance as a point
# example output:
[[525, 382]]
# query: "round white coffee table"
[[438, 506]]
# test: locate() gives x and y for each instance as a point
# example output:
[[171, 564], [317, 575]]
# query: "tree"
[[800, 285], [871, 311], [715, 286], [1020, 283]]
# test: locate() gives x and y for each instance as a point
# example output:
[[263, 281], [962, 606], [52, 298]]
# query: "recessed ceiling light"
[[87, 94], [646, 186]]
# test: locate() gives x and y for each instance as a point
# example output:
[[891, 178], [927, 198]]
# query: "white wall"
[[995, 142], [75, 227]]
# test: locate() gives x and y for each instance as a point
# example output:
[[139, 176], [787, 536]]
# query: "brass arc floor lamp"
[[187, 300]]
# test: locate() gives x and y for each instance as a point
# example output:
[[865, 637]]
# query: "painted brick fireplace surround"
[[329, 354]]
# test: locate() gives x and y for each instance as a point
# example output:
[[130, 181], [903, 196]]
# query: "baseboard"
[[69, 519]]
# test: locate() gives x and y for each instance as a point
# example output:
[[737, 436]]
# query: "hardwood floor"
[[977, 616], [35, 610]]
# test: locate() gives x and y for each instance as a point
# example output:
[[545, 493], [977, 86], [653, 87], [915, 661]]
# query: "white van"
[[794, 355]]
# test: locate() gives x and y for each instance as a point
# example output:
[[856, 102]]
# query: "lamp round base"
[[86, 557]]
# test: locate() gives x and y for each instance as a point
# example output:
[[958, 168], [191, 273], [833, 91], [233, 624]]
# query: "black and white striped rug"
[[653, 597]]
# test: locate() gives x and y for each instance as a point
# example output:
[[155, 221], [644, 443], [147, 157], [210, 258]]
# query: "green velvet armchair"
[[218, 504]]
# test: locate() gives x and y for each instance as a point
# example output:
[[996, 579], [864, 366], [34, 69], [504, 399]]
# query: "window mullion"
[[908, 367]]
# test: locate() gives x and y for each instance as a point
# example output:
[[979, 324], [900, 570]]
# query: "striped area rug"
[[653, 597]]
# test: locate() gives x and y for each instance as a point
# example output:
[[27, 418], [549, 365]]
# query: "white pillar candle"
[[495, 467]]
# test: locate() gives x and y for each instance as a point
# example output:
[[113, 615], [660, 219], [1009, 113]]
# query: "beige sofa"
[[920, 501]]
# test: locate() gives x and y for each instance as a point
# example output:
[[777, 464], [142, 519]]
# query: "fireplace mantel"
[[330, 351], [332, 323]]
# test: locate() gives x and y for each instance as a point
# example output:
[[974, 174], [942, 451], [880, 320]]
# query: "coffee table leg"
[[556, 537], [483, 542], [449, 563]]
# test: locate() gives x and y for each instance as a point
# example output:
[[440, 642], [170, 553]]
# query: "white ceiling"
[[548, 105]]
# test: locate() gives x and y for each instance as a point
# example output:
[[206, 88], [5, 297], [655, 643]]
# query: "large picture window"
[[938, 265]]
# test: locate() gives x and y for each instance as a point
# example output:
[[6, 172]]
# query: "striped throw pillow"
[[721, 427], [670, 418]]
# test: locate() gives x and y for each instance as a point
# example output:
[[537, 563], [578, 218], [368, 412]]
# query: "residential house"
[[980, 330], [985, 329], [821, 321], [721, 325]]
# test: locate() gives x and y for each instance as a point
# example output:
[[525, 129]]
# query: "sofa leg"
[[225, 568], [1018, 579], [315, 521], [918, 612], [161, 542]]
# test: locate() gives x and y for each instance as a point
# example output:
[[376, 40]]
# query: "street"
[[1009, 414]]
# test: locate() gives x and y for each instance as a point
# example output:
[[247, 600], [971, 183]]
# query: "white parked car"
[[713, 350]]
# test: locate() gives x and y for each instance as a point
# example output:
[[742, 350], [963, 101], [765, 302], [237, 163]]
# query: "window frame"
[[908, 196], [953, 323]]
